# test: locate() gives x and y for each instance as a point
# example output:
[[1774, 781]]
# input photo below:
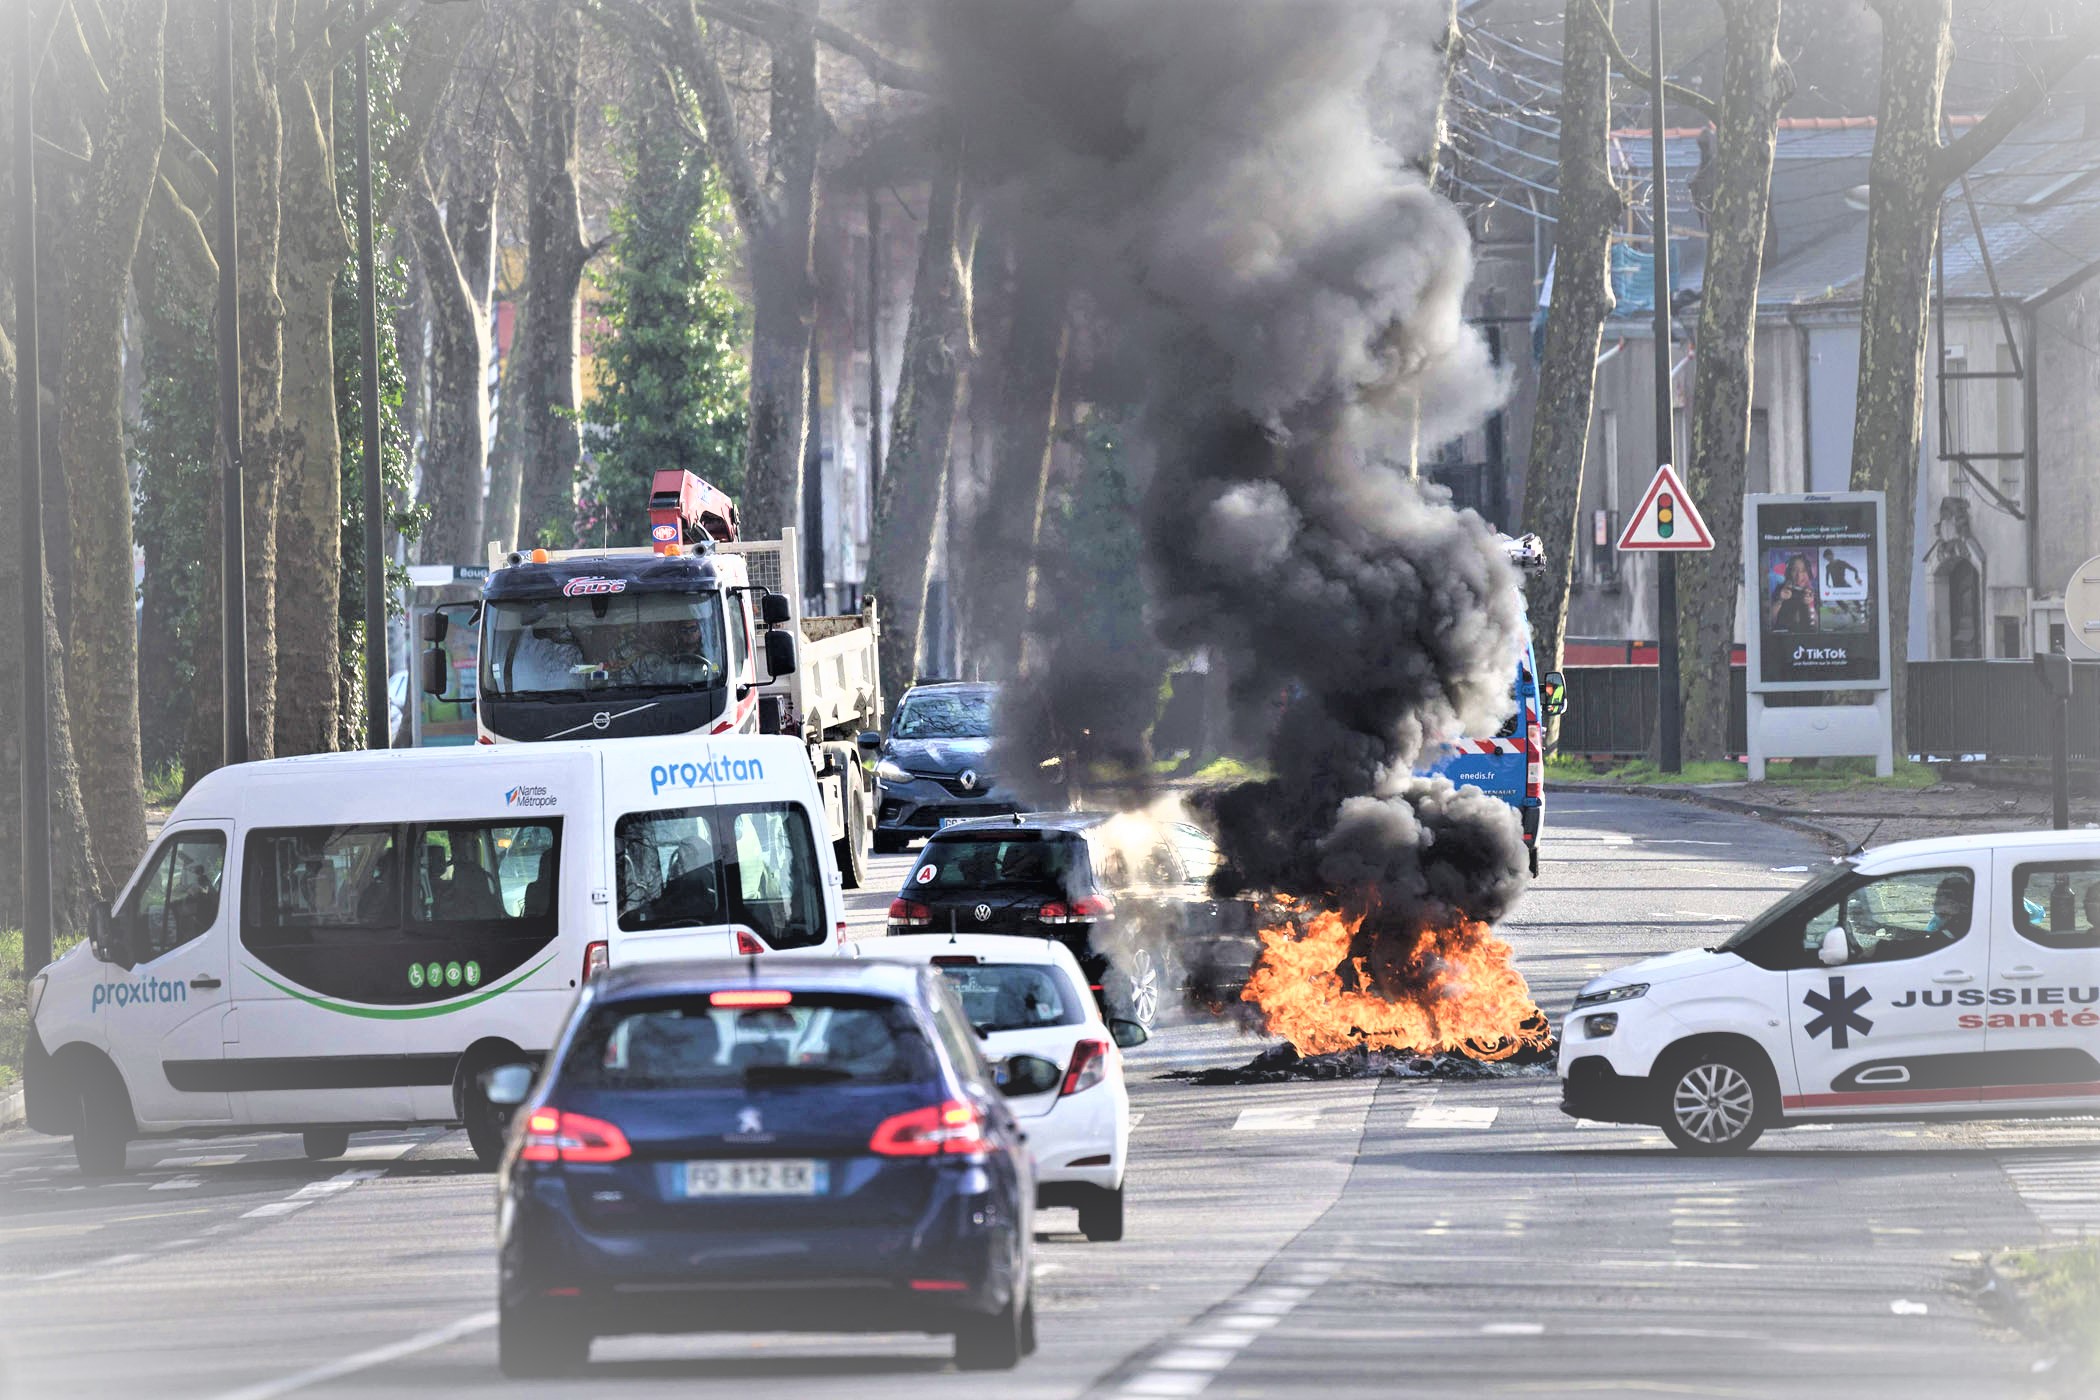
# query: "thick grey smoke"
[[1284, 295]]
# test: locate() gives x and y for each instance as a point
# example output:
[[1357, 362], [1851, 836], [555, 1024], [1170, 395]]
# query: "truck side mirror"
[[780, 649], [1553, 693], [868, 739], [437, 672], [432, 626], [1837, 948], [774, 610]]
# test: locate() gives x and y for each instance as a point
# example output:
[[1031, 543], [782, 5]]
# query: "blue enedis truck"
[[1512, 765]]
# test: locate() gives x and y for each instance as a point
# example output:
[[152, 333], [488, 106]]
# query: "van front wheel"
[[102, 1138], [1714, 1102]]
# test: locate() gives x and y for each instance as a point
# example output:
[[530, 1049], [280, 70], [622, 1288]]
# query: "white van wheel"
[[1712, 1103]]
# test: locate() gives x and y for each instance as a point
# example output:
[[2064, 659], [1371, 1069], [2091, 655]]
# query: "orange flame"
[[1456, 989]]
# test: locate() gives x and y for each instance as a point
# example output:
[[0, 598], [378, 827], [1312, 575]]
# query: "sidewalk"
[[1846, 816]]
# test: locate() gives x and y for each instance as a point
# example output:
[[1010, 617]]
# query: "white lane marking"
[[2062, 1189], [377, 1151], [365, 1360], [1674, 1263], [1513, 1329], [178, 1183], [1276, 1120], [342, 1181], [1439, 1115], [1188, 1358], [1216, 1340], [1166, 1383], [1135, 1119], [201, 1160], [1904, 1307], [275, 1208], [1247, 1321]]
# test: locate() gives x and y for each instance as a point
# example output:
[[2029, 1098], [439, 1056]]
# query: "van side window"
[[178, 897], [1895, 917], [2057, 904], [331, 881], [395, 915], [754, 865], [484, 876]]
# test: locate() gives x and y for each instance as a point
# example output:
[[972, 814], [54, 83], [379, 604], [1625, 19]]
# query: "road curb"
[[1837, 840], [12, 1114]]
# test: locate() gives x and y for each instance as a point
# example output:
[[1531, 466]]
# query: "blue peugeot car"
[[796, 1146]]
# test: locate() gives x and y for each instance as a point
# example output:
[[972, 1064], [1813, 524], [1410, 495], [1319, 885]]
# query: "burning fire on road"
[[1328, 983]]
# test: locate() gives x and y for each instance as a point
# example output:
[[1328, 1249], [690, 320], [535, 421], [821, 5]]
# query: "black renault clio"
[[795, 1146]]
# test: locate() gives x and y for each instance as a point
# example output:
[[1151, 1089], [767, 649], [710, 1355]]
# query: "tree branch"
[[71, 160], [769, 17], [185, 234], [1635, 73], [725, 142], [2016, 106], [319, 46]]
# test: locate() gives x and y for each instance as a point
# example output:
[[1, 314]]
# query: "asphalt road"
[[1338, 1239]]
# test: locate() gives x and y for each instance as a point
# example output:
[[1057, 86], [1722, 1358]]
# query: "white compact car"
[[1059, 1063], [1955, 978]]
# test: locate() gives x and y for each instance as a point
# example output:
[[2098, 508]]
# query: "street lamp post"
[[233, 561], [376, 735], [36, 729], [1669, 710]]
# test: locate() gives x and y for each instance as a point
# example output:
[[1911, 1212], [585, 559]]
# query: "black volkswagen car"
[[934, 765], [1126, 895], [786, 1146]]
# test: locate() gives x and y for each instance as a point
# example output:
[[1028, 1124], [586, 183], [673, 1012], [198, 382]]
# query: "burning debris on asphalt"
[[1282, 1064], [1284, 295]]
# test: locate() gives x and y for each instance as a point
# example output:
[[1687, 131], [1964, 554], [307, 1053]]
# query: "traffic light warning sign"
[[1666, 519]]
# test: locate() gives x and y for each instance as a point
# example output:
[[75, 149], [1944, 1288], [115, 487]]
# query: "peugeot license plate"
[[791, 1176]]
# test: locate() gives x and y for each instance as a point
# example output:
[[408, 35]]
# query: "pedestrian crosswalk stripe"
[[2062, 1189], [1441, 1115], [1276, 1120]]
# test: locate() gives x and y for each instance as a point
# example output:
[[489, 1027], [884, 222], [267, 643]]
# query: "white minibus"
[[351, 940]]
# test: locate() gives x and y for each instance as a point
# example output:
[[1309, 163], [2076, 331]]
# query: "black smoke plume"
[[1281, 294]]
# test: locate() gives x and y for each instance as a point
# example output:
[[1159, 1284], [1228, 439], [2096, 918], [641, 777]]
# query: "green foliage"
[[390, 279], [672, 378], [14, 1001], [164, 785], [2061, 1290], [1825, 775]]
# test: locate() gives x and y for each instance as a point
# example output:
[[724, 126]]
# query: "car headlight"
[[889, 772], [36, 993], [1612, 994]]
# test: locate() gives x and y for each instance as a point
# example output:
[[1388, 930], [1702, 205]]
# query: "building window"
[[2012, 429], [2008, 638], [1963, 604], [1954, 417]]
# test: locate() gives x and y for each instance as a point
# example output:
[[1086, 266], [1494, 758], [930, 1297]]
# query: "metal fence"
[[1958, 709]]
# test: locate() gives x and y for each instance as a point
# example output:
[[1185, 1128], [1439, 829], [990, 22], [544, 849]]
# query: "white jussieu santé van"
[[348, 940], [1952, 978]]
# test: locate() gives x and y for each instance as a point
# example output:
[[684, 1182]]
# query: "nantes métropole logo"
[[1838, 1013], [528, 795]]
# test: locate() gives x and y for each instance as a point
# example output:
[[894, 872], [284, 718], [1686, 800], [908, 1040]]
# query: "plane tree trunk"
[[1909, 173], [547, 346], [102, 639], [1753, 88], [455, 447], [937, 352], [1590, 207]]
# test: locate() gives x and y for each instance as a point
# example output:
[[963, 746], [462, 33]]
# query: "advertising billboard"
[[1816, 579]]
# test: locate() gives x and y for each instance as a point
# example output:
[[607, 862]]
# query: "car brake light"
[[554, 1136], [596, 958], [909, 913], [747, 944], [953, 1128], [1534, 769], [1092, 906], [1089, 1066], [753, 997], [1055, 912]]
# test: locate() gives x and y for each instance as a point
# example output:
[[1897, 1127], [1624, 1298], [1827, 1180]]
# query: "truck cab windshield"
[[560, 647]]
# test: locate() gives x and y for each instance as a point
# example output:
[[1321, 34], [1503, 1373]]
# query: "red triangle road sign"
[[1666, 517]]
